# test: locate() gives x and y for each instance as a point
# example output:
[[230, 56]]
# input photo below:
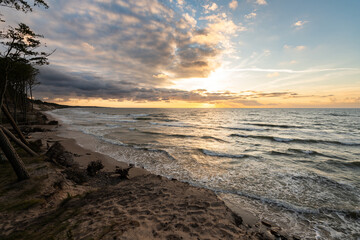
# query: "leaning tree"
[[20, 47]]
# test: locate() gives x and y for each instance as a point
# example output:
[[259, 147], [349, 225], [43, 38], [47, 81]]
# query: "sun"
[[216, 81]]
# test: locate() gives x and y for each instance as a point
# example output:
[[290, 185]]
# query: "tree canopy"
[[22, 5], [21, 45]]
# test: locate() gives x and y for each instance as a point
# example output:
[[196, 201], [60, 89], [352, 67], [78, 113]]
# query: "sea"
[[296, 168]]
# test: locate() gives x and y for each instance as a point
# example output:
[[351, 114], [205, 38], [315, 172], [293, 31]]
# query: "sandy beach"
[[143, 206]]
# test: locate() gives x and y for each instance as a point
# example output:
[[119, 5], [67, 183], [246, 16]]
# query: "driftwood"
[[13, 157], [14, 125], [18, 142]]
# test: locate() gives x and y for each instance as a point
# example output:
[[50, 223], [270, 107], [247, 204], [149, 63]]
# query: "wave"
[[322, 180], [353, 214], [287, 140], [214, 138], [165, 120], [244, 129], [308, 152], [225, 155], [280, 153], [142, 118], [125, 121], [138, 115], [274, 125], [161, 115], [184, 136], [351, 164], [337, 114], [171, 124], [118, 143], [312, 153], [155, 150]]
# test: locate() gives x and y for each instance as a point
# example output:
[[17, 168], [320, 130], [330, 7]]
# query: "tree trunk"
[[31, 97], [18, 142], [25, 98], [3, 90], [13, 124], [15, 106], [13, 157]]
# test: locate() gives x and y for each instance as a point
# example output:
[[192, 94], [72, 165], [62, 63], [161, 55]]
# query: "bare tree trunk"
[[13, 157], [2, 94], [15, 105], [31, 97], [18, 142], [13, 124], [25, 98]]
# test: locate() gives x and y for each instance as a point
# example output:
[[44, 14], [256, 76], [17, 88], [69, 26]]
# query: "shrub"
[[94, 167], [76, 175], [123, 172]]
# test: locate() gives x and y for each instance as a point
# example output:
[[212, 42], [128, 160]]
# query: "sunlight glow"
[[215, 82]]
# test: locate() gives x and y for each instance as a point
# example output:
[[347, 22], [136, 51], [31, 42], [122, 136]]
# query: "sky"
[[198, 53]]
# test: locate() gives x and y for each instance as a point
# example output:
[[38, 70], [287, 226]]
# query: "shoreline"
[[263, 229], [54, 203]]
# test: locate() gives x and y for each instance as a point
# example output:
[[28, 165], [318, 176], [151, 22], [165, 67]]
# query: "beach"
[[179, 119], [143, 206], [155, 200], [281, 166]]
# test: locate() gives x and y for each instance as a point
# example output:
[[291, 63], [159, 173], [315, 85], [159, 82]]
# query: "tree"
[[21, 46], [21, 49], [22, 5]]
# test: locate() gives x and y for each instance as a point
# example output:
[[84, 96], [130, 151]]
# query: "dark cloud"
[[59, 84]]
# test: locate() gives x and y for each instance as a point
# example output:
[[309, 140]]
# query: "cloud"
[[297, 48], [233, 4], [291, 62], [274, 74], [88, 46], [250, 15], [248, 102], [311, 70], [181, 2], [300, 48], [210, 7], [144, 42], [58, 85], [299, 24], [161, 75], [190, 19], [261, 2]]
